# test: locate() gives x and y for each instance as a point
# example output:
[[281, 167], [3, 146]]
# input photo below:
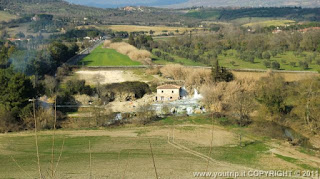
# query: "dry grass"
[[135, 54], [287, 76], [193, 77], [158, 30]]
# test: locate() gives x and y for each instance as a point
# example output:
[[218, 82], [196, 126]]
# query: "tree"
[[15, 91], [242, 101], [266, 55], [293, 64], [59, 52], [271, 93], [275, 65], [131, 40], [309, 102], [266, 63], [51, 84], [304, 65], [220, 73]]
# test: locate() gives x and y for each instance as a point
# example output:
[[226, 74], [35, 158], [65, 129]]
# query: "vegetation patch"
[[296, 162], [270, 23], [246, 155], [4, 16], [107, 57]]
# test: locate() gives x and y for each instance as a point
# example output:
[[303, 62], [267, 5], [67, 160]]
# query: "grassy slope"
[[240, 64], [177, 60], [107, 57], [4, 16], [288, 57], [111, 155]]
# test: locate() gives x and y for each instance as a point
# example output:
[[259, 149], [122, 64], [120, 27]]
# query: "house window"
[[162, 91], [170, 97], [172, 91], [162, 98]]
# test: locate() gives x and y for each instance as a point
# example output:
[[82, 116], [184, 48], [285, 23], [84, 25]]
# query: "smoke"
[[31, 62], [21, 61]]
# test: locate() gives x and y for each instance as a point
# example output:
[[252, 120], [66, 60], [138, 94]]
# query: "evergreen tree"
[[131, 40], [220, 74]]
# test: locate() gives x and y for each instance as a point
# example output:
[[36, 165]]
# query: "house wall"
[[168, 94]]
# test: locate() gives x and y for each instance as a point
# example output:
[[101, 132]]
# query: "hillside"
[[191, 3], [77, 13], [248, 3]]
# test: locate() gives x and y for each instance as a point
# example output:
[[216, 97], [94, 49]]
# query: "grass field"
[[4, 16], [107, 57], [177, 60], [284, 60], [135, 28], [124, 152], [268, 23], [226, 58]]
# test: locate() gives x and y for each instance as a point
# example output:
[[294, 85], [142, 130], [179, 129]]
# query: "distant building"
[[168, 93], [129, 8], [309, 29]]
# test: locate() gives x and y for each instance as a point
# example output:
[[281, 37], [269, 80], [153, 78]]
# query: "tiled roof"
[[168, 86]]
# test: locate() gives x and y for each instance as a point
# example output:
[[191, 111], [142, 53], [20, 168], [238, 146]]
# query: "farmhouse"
[[168, 93]]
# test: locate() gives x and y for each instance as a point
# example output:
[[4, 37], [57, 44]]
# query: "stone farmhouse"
[[168, 92]]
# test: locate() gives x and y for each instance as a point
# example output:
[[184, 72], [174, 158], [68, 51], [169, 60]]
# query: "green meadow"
[[107, 57]]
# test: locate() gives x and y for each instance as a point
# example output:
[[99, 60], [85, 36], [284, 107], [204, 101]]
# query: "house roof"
[[168, 86]]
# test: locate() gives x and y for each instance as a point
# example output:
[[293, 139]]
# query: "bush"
[[78, 87], [275, 65], [293, 64], [266, 55], [125, 91], [304, 65], [107, 43], [266, 63]]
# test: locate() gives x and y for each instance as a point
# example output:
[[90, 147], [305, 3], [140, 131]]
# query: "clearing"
[[108, 76], [107, 57], [180, 146], [158, 30], [4, 16], [270, 23]]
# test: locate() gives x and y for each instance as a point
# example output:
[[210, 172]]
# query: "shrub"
[[284, 61], [266, 63], [275, 65], [266, 55], [304, 65], [107, 43], [78, 87], [293, 64], [125, 91]]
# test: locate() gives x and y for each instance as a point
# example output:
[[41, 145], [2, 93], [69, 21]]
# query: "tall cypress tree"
[[220, 73]]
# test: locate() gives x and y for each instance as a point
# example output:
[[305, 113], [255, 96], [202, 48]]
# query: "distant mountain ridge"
[[249, 3], [191, 3], [122, 3]]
